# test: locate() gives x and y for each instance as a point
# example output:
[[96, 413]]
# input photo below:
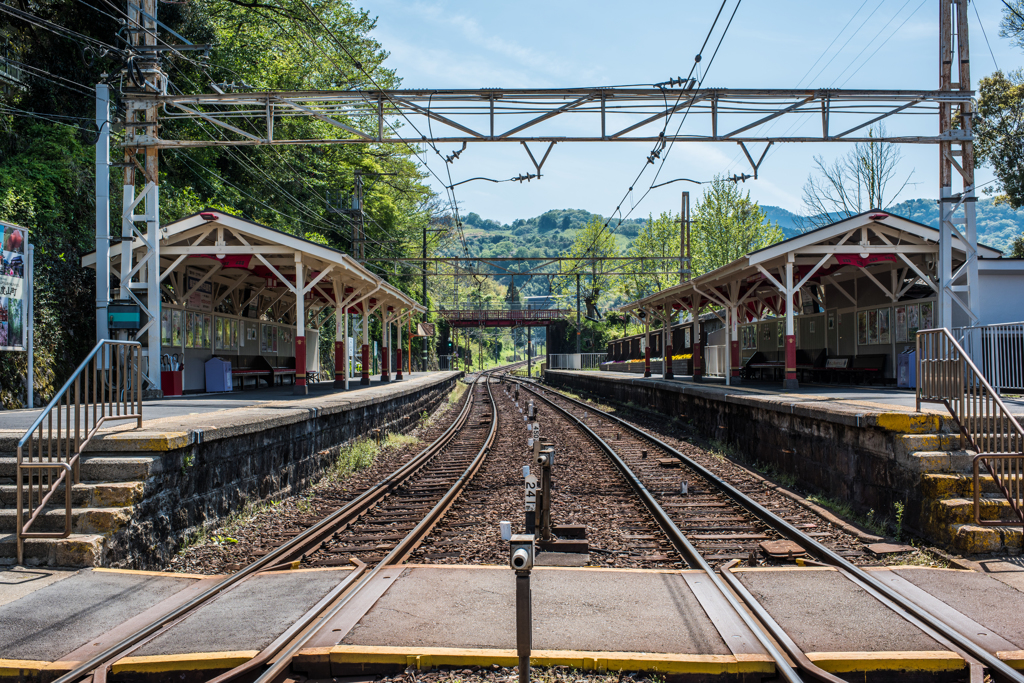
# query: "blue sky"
[[771, 43]]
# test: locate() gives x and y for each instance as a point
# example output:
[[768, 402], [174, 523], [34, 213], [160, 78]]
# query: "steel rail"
[[823, 553], [675, 534], [400, 551], [327, 525]]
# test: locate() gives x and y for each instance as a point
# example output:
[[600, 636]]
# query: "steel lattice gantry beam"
[[614, 114]]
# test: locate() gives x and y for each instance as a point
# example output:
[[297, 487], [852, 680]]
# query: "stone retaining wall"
[[848, 452], [223, 467]]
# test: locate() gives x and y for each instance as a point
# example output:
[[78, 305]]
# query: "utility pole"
[[425, 304], [102, 209], [577, 313], [684, 240], [953, 25]]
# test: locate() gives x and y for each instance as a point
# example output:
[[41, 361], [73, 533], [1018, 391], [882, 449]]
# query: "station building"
[[256, 298], [838, 304]]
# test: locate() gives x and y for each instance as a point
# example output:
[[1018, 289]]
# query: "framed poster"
[[268, 339], [177, 327], [926, 315], [165, 327], [862, 327], [234, 334], [831, 321], [766, 332], [884, 335], [190, 329], [901, 324], [218, 333], [686, 338], [14, 286], [207, 331], [782, 333], [872, 327], [912, 321]]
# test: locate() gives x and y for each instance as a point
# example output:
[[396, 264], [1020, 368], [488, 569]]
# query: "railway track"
[[622, 450], [389, 519]]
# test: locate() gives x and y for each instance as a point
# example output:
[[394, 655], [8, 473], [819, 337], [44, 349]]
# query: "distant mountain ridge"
[[998, 224]]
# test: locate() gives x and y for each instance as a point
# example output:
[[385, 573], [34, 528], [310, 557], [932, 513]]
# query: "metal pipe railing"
[[106, 387], [947, 375]]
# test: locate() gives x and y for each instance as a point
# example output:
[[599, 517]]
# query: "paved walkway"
[[905, 399], [202, 404]]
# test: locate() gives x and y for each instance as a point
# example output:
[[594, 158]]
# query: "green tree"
[[1018, 248], [999, 132], [593, 243], [726, 225], [658, 238]]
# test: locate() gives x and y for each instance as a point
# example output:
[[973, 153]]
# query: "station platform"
[[881, 398], [17, 421], [198, 458], [425, 616]]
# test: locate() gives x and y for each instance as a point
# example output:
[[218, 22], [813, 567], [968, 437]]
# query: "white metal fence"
[[717, 361], [445, 363], [998, 351], [577, 361]]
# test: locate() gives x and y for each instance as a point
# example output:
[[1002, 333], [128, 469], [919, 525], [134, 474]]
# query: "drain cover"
[[782, 550]]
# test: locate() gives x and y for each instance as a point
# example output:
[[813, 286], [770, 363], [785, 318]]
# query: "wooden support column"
[[790, 383], [398, 346], [385, 352], [300, 328], [698, 370], [666, 370], [364, 376]]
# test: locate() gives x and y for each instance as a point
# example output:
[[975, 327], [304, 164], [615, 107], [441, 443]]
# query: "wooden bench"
[[281, 368], [760, 362], [865, 368], [245, 367]]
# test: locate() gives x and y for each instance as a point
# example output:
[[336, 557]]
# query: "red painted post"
[[698, 371], [734, 360], [300, 365], [398, 362], [385, 371], [791, 382], [647, 361], [339, 364], [364, 378], [668, 374]]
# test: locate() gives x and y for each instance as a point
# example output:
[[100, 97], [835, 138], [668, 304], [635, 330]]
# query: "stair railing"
[[947, 375], [105, 388]]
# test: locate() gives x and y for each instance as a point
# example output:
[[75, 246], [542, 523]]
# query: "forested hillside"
[[998, 224]]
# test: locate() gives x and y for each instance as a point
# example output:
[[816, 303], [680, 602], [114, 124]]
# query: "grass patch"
[[770, 471], [871, 521]]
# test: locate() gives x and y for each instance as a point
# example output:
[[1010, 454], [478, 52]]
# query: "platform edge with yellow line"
[[355, 656]]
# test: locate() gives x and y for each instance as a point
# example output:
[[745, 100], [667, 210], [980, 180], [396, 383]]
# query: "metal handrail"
[[104, 388], [947, 375]]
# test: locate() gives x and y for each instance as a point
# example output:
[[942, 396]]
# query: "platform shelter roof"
[[895, 253], [239, 255]]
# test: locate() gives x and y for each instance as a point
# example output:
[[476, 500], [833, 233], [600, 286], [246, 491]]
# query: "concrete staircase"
[[946, 488], [102, 505]]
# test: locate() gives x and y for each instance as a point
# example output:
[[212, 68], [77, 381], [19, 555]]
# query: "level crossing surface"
[[460, 616]]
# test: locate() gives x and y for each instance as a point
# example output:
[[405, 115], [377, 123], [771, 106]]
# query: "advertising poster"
[[912, 323], [872, 327], [862, 327], [12, 287], [901, 324], [884, 335], [926, 315]]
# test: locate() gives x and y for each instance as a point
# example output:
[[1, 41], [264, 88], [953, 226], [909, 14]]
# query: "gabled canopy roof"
[[867, 244], [234, 252]]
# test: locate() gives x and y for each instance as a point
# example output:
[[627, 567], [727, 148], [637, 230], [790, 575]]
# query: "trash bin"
[[906, 369], [218, 375]]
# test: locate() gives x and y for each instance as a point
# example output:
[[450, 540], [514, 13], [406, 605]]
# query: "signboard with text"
[[14, 287]]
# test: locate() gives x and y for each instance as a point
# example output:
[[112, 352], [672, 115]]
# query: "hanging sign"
[[14, 287], [202, 298], [861, 261]]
